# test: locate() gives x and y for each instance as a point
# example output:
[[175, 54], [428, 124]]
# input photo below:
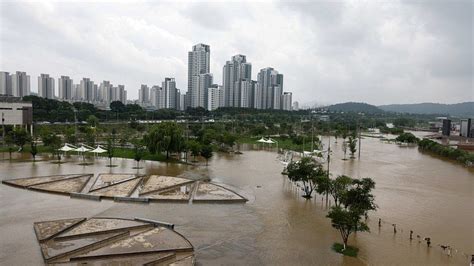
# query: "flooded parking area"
[[419, 192]]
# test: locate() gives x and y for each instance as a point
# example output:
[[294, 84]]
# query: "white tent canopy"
[[82, 149], [98, 150], [262, 140], [67, 147], [269, 141]]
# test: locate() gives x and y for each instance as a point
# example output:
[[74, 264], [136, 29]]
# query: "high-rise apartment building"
[[5, 83], [105, 91], [46, 86], [234, 72], [199, 93], [215, 96], [144, 94], [65, 88], [86, 91], [20, 84], [198, 64], [271, 84], [169, 88], [286, 101]]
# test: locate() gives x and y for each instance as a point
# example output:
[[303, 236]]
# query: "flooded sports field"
[[432, 196]]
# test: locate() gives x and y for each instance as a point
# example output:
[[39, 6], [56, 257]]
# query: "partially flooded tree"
[[138, 151], [206, 152], [355, 200], [33, 150], [346, 222], [305, 171], [352, 145], [110, 150]]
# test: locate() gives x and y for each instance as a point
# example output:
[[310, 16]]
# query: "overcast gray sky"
[[330, 52]]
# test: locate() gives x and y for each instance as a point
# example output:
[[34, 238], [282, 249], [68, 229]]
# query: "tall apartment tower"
[[20, 84], [234, 72], [270, 83], [169, 87], [65, 90], [198, 63], [144, 94], [286, 101], [46, 86], [86, 90], [199, 93], [105, 91], [5, 83]]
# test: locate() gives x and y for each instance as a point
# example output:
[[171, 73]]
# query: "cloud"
[[376, 52]]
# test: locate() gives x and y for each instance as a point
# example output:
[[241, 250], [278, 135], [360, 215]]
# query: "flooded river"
[[419, 192]]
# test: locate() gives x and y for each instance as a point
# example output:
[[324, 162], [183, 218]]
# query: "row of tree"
[[353, 198]]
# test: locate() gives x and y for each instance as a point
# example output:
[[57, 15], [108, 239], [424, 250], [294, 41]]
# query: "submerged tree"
[[355, 200], [33, 150], [305, 171], [352, 145], [110, 150], [137, 152], [206, 152], [346, 221]]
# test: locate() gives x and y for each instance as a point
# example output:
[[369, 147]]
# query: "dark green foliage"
[[355, 108], [166, 136], [206, 152], [355, 200], [407, 138], [393, 131], [449, 152], [307, 172]]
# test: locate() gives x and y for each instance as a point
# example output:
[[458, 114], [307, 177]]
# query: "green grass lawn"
[[283, 143], [118, 153], [349, 251]]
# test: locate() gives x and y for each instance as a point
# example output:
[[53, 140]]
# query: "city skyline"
[[387, 52], [238, 88]]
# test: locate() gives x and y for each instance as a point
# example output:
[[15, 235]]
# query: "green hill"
[[355, 108], [458, 109]]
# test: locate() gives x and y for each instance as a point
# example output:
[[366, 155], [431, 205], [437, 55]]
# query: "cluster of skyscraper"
[[18, 85], [238, 88]]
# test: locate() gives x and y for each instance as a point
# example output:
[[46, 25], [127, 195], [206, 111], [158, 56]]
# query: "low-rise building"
[[15, 112]]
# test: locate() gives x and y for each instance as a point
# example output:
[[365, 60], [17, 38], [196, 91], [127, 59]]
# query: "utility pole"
[[359, 139], [329, 160], [312, 134]]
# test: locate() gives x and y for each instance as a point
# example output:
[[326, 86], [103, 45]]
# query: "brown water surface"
[[419, 192]]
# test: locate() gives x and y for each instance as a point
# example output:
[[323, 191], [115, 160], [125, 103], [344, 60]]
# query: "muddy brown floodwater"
[[419, 192]]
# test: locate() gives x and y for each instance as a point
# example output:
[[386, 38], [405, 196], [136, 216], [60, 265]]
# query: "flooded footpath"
[[419, 192]]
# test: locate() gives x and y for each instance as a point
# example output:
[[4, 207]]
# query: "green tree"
[[138, 151], [407, 138], [194, 147], [54, 145], [356, 200], [352, 142], [33, 150], [346, 222], [20, 137], [9, 140], [92, 121], [206, 152], [339, 188], [167, 136], [305, 171], [110, 150]]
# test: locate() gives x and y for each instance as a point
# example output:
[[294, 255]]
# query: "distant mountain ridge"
[[355, 107], [458, 109]]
